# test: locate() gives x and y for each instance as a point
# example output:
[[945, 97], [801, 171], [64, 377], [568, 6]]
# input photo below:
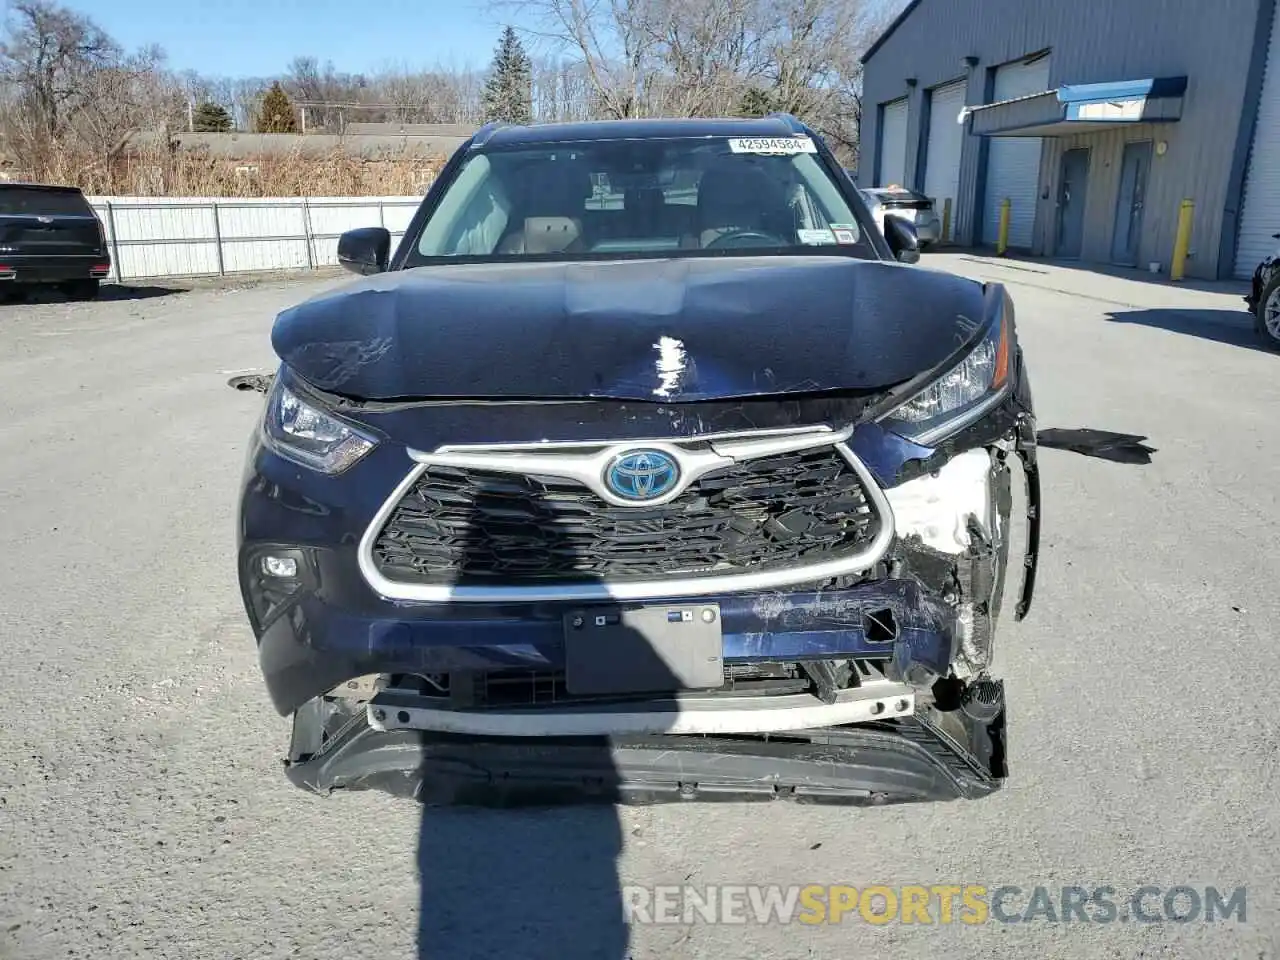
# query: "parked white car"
[[909, 205]]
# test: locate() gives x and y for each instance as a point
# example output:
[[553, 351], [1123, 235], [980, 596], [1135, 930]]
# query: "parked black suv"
[[50, 236]]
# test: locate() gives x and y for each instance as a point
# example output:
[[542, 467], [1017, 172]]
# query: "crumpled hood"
[[675, 330]]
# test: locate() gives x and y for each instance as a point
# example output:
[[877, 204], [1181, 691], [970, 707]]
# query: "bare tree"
[[309, 80], [613, 41], [246, 99], [49, 56], [407, 91], [706, 57], [121, 99], [75, 98], [709, 52]]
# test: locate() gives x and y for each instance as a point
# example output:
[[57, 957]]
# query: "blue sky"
[[260, 37]]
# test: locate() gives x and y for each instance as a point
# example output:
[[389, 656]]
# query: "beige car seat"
[[553, 196]]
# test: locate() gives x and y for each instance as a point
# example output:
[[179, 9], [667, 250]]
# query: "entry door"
[[1134, 174], [1073, 181]]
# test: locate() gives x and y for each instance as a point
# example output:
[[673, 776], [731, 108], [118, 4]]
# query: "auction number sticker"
[[774, 146]]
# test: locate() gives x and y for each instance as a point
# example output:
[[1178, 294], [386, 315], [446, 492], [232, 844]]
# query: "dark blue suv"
[[643, 469]]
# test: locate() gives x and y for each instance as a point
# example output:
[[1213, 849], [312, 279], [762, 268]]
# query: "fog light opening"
[[880, 626], [282, 568]]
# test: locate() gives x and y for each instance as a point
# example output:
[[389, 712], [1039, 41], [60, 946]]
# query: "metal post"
[[115, 242], [382, 215], [1182, 243], [1006, 209], [946, 220], [306, 227], [217, 240]]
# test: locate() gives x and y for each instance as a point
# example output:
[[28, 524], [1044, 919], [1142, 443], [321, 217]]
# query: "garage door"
[[1260, 209], [893, 144], [1013, 163], [946, 141]]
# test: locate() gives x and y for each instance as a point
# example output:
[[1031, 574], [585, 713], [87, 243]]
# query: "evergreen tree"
[[755, 103], [508, 93], [211, 117], [276, 115]]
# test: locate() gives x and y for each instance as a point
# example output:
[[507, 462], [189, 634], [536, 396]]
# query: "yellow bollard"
[[1002, 244], [1182, 244], [946, 220]]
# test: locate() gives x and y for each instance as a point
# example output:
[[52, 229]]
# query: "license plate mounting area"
[[643, 649]]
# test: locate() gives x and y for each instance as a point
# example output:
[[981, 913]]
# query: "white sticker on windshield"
[[815, 236], [774, 146], [845, 236]]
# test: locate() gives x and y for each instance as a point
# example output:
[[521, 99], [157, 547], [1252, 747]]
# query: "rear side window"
[[58, 203]]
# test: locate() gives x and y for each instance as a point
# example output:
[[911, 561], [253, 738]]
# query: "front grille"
[[462, 526]]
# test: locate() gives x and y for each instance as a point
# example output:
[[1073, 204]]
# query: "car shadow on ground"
[[521, 883], [1234, 327], [538, 876], [127, 291], [109, 292]]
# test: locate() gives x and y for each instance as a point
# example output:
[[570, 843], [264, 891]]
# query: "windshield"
[[682, 197]]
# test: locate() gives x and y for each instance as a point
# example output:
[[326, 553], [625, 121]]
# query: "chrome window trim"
[[518, 459]]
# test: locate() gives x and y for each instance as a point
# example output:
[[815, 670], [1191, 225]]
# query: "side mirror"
[[903, 239], [365, 251]]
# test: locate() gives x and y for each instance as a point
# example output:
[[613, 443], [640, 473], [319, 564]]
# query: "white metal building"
[[1094, 120], [1260, 208]]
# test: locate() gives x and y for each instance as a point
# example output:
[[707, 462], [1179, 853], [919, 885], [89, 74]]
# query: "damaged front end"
[[824, 673]]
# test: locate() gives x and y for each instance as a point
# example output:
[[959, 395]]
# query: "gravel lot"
[[143, 811]]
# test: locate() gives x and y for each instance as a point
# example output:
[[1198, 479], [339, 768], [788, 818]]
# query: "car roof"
[[646, 129], [50, 187]]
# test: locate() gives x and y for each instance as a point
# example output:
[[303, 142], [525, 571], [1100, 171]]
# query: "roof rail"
[[789, 119], [481, 136]]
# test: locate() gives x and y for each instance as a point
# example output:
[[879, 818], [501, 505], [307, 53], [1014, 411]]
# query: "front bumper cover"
[[933, 757]]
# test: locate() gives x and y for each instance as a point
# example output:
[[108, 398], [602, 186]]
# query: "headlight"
[[299, 432], [961, 395]]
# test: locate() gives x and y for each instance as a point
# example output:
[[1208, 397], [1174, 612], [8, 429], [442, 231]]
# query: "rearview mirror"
[[903, 239], [366, 250]]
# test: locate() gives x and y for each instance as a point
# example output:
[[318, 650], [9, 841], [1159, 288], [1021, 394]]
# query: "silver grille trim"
[[584, 463]]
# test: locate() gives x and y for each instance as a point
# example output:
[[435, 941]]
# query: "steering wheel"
[[766, 239]]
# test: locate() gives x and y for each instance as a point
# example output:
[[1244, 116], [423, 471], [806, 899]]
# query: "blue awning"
[[1080, 108]]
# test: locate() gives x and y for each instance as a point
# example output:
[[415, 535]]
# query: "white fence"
[[152, 237]]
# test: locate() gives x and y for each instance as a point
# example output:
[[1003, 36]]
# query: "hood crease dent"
[[666, 331]]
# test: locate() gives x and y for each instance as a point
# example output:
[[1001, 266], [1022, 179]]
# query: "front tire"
[[1266, 316]]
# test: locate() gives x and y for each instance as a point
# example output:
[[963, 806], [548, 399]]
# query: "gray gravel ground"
[[143, 811]]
